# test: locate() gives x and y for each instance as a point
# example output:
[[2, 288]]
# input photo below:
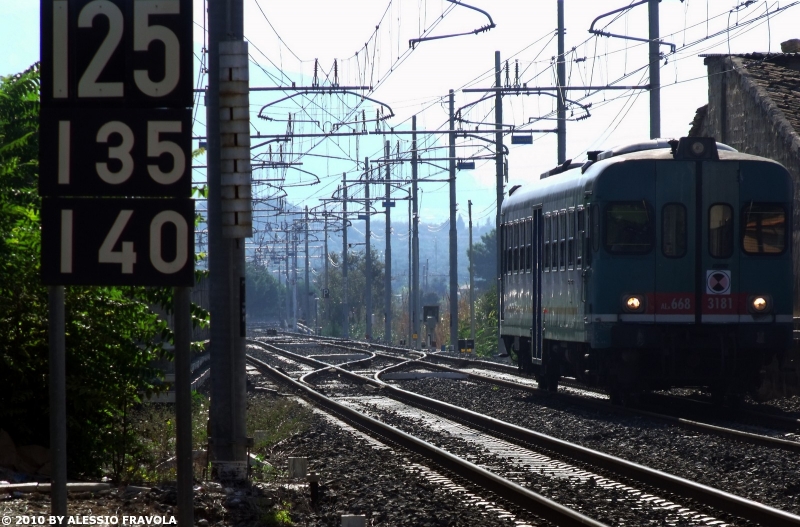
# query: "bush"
[[112, 335]]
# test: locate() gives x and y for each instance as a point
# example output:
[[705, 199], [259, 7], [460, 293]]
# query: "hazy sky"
[[287, 37]]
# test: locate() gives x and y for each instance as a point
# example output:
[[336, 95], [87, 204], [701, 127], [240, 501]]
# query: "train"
[[654, 265]]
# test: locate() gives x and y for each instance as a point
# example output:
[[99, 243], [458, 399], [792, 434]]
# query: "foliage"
[[279, 419], [485, 322], [484, 260], [331, 309], [154, 427], [277, 516], [266, 296], [111, 333]]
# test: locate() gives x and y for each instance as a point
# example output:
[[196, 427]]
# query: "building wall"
[[742, 112]]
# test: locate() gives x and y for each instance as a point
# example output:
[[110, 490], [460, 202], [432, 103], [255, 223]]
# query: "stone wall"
[[754, 106]]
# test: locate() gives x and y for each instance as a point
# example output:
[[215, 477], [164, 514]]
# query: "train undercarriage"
[[727, 361]]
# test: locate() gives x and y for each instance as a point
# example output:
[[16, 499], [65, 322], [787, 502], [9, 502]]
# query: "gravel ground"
[[758, 473], [605, 500], [356, 478]]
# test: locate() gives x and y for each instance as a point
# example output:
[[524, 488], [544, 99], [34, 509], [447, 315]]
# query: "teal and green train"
[[655, 265]]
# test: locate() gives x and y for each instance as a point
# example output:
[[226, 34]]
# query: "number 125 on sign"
[[118, 242]]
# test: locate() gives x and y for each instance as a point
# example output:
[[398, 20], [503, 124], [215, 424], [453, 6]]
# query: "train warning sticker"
[[718, 282]]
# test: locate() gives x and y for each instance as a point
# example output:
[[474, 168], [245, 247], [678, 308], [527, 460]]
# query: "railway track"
[[673, 486], [687, 413]]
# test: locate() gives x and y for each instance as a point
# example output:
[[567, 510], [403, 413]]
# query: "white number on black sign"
[[122, 152], [144, 34], [126, 256]]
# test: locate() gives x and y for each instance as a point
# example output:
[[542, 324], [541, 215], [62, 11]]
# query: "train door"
[[536, 266], [719, 263], [676, 248], [501, 274]]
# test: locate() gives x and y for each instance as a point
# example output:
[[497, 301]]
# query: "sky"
[[369, 40]]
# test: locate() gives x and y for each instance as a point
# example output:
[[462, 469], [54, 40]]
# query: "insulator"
[[335, 73]]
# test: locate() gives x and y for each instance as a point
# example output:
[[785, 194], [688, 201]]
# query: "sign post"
[[115, 174]]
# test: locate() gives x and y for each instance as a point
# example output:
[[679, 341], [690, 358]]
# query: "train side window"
[[511, 233], [509, 248], [673, 230], [523, 242], [507, 240], [720, 230], [516, 247], [763, 228], [528, 244], [546, 245], [501, 243], [627, 228], [572, 229], [562, 240], [581, 225], [553, 233]]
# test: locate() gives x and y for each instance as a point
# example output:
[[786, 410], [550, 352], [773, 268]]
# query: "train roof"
[[564, 178]]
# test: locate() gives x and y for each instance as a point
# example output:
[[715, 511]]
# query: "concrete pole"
[[345, 306], [561, 106], [294, 278], [471, 278], [410, 303], [288, 280], [325, 228], [416, 309], [226, 269], [453, 231], [387, 271], [499, 171], [58, 402], [655, 72], [307, 308], [368, 252]]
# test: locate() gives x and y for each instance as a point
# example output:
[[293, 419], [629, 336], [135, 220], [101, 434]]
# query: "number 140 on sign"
[[118, 242]]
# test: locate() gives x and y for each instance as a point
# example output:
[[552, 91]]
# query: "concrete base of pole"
[[298, 467], [353, 520], [230, 470]]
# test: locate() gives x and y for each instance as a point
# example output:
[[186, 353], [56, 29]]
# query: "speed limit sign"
[[97, 241], [107, 53], [116, 97], [116, 153]]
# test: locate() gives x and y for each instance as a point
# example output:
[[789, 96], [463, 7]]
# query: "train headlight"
[[760, 304], [633, 303], [698, 148]]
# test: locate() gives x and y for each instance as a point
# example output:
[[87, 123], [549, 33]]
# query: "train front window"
[[673, 230], [764, 228], [627, 228], [720, 230]]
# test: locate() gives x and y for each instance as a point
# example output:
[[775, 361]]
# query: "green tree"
[[331, 309], [266, 296], [484, 260], [112, 335]]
